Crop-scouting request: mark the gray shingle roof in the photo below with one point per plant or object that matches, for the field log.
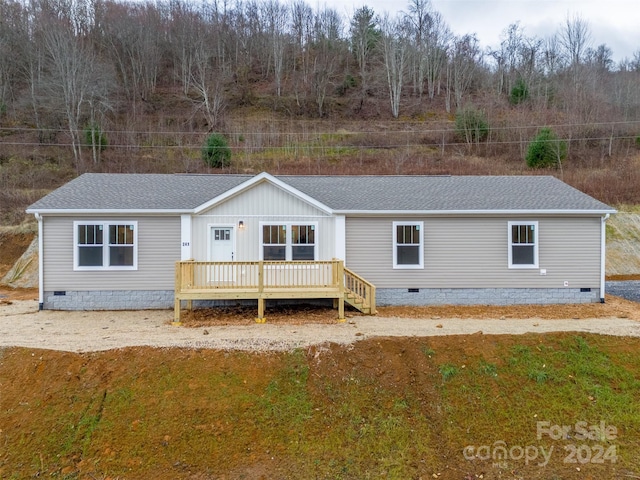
(340, 193)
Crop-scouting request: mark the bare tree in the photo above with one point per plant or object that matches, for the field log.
(277, 18)
(250, 48)
(465, 59)
(600, 58)
(395, 47)
(325, 54)
(131, 39)
(364, 37)
(208, 82)
(75, 75)
(439, 38)
(14, 44)
(302, 31)
(506, 57)
(419, 19)
(517, 59)
(186, 26)
(574, 38)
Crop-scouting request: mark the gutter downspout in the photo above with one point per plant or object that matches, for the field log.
(603, 239)
(40, 262)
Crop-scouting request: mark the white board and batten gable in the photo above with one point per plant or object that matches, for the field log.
(241, 214)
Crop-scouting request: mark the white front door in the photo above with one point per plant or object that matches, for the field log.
(222, 244)
(221, 249)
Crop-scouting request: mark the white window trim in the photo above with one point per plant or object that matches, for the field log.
(535, 244)
(394, 240)
(105, 250)
(288, 233)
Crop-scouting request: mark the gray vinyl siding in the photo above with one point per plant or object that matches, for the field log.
(263, 203)
(473, 253)
(158, 250)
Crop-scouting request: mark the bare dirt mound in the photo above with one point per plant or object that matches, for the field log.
(13, 244)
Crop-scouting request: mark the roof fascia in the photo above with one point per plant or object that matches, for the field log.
(86, 211)
(260, 178)
(474, 212)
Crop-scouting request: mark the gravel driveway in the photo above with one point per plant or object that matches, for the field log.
(21, 324)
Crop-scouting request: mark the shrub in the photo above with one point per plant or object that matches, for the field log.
(216, 152)
(472, 124)
(94, 137)
(546, 150)
(519, 92)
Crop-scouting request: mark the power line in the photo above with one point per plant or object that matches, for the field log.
(333, 132)
(302, 148)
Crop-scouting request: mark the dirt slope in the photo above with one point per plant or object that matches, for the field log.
(382, 408)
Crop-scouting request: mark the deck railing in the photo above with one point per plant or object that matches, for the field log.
(257, 275)
(359, 292)
(263, 280)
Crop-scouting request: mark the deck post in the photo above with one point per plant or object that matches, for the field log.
(372, 300)
(176, 294)
(190, 274)
(339, 268)
(261, 300)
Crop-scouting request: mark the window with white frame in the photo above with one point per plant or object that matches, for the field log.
(408, 245)
(523, 244)
(303, 242)
(289, 241)
(105, 245)
(274, 242)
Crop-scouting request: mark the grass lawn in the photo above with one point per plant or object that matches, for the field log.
(553, 406)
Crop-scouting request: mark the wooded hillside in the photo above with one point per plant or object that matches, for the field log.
(100, 85)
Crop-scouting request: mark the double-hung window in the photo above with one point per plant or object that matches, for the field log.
(408, 245)
(105, 245)
(288, 241)
(523, 244)
(303, 242)
(274, 242)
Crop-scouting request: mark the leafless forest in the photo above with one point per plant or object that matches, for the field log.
(99, 85)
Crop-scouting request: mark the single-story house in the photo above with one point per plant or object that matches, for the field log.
(123, 241)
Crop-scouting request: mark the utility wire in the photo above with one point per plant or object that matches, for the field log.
(333, 132)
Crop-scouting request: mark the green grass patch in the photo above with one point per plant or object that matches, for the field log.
(381, 408)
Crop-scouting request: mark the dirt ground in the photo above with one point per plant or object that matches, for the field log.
(12, 246)
(21, 324)
(297, 315)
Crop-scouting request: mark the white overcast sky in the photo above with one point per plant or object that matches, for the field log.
(615, 23)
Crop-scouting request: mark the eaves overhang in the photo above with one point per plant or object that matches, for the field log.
(474, 212)
(110, 211)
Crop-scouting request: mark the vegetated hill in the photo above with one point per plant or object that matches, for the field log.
(455, 408)
(298, 90)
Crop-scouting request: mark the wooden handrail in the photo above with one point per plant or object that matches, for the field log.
(363, 290)
(258, 275)
(264, 280)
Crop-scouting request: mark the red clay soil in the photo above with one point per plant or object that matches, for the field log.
(12, 246)
(164, 414)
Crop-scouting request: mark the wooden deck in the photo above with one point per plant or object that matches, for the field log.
(264, 280)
